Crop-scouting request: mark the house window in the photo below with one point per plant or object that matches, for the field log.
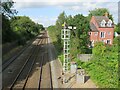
(103, 22)
(109, 24)
(89, 33)
(103, 41)
(102, 34)
(108, 41)
(95, 33)
(109, 33)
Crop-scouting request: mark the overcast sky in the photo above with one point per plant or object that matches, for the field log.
(46, 11)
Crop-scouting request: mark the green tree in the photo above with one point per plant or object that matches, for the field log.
(7, 34)
(82, 28)
(117, 28)
(70, 20)
(99, 49)
(99, 12)
(24, 26)
(6, 8)
(61, 19)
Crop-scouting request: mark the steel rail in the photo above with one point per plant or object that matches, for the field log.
(33, 50)
(41, 66)
(7, 62)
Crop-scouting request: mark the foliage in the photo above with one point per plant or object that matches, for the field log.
(7, 33)
(61, 19)
(52, 33)
(99, 12)
(80, 40)
(20, 28)
(103, 68)
(6, 29)
(55, 32)
(117, 28)
(54, 39)
(98, 49)
(24, 25)
(6, 8)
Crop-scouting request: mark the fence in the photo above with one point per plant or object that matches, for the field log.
(84, 57)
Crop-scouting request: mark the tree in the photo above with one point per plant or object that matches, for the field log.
(24, 26)
(7, 12)
(7, 33)
(82, 28)
(6, 8)
(70, 20)
(117, 28)
(61, 19)
(99, 49)
(99, 12)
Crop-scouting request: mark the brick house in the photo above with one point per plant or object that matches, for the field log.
(101, 29)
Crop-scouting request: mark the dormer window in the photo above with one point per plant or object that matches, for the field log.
(103, 22)
(109, 23)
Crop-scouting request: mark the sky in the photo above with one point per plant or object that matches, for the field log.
(45, 12)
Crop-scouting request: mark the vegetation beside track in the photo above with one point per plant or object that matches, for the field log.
(17, 28)
(103, 67)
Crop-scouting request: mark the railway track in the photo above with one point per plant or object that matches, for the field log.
(22, 76)
(7, 62)
(45, 71)
(39, 53)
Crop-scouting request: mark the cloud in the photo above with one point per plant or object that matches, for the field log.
(44, 3)
(44, 20)
(79, 6)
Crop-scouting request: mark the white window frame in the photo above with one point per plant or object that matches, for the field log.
(103, 22)
(93, 42)
(107, 40)
(100, 34)
(95, 33)
(109, 23)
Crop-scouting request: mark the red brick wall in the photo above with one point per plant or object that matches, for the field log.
(106, 30)
(93, 36)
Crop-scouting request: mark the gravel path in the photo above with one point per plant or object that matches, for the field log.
(56, 67)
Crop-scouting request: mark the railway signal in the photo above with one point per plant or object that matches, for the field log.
(65, 35)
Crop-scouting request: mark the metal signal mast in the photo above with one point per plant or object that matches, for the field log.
(65, 35)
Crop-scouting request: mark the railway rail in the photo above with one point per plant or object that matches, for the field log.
(25, 70)
(45, 71)
(38, 53)
(7, 62)
(45, 76)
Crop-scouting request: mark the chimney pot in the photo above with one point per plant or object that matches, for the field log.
(106, 14)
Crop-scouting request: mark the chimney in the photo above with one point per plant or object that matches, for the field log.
(106, 14)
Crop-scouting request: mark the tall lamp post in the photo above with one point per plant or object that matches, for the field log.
(65, 35)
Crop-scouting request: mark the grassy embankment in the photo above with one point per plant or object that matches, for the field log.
(55, 41)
